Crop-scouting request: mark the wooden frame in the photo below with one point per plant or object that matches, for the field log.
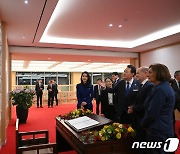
(37, 140)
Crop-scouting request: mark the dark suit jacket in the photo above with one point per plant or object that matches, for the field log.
(106, 109)
(85, 93)
(143, 93)
(124, 101)
(96, 94)
(38, 90)
(177, 95)
(56, 88)
(52, 88)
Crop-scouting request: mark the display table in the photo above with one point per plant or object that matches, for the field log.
(68, 139)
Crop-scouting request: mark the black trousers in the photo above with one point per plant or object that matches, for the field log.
(55, 96)
(50, 99)
(39, 97)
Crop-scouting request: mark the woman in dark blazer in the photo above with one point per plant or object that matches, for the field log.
(107, 101)
(159, 107)
(84, 91)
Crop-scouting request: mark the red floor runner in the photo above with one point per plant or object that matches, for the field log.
(38, 119)
(43, 119)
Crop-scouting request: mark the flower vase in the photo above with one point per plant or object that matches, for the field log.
(22, 114)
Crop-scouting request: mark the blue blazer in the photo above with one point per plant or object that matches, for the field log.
(85, 94)
(159, 107)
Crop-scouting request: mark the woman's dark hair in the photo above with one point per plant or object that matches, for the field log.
(161, 72)
(108, 78)
(88, 80)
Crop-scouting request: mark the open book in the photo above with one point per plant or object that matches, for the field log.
(82, 123)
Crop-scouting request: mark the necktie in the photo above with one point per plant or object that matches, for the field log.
(127, 88)
(141, 85)
(99, 90)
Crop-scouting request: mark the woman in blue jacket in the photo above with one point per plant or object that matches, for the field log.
(159, 107)
(85, 92)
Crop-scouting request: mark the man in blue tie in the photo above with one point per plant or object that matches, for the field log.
(127, 90)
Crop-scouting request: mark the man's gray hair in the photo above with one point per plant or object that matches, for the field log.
(144, 69)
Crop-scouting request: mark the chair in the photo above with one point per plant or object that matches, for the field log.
(34, 142)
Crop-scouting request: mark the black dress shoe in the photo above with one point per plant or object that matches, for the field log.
(41, 107)
(37, 106)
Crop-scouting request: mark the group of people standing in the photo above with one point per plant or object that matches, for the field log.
(143, 98)
(52, 93)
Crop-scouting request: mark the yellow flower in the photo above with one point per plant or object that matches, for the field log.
(118, 135)
(77, 112)
(105, 127)
(120, 125)
(115, 124)
(117, 130)
(100, 134)
(130, 129)
(103, 138)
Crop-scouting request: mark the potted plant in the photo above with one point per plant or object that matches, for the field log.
(23, 99)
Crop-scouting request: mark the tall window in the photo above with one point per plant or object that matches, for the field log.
(37, 76)
(23, 78)
(63, 78)
(50, 76)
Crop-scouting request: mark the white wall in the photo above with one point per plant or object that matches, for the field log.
(169, 55)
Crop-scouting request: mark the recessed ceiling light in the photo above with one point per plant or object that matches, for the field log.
(89, 60)
(26, 1)
(110, 25)
(120, 26)
(23, 37)
(49, 58)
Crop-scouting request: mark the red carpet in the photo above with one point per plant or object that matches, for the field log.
(43, 119)
(38, 119)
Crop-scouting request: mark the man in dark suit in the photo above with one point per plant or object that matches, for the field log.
(97, 94)
(176, 87)
(138, 106)
(127, 90)
(39, 92)
(55, 92)
(115, 78)
(51, 91)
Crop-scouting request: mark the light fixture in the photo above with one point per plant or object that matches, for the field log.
(120, 26)
(26, 1)
(110, 25)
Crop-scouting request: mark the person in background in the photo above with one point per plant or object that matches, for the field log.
(175, 84)
(107, 101)
(84, 92)
(56, 91)
(115, 78)
(138, 106)
(159, 107)
(39, 92)
(97, 94)
(176, 87)
(51, 91)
